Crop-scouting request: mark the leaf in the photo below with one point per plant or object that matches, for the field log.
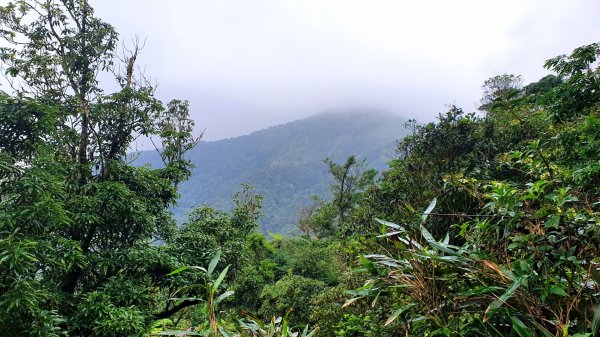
(179, 270)
(368, 264)
(224, 296)
(312, 333)
(495, 268)
(397, 313)
(552, 222)
(427, 235)
(543, 330)
(220, 278)
(596, 322)
(390, 234)
(186, 299)
(595, 270)
(433, 243)
(177, 332)
(390, 224)
(213, 262)
(224, 332)
(443, 248)
(350, 301)
(520, 327)
(558, 291)
(504, 297)
(429, 209)
(284, 326)
(479, 290)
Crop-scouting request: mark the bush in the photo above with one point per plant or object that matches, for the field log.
(291, 292)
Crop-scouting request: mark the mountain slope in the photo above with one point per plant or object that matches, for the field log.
(284, 163)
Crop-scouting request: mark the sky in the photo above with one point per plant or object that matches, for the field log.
(246, 65)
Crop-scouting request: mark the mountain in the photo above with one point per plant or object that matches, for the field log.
(284, 163)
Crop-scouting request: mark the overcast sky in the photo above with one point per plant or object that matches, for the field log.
(245, 65)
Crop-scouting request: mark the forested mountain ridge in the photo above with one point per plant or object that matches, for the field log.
(284, 163)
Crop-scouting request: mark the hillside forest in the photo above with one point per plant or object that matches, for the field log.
(484, 223)
(283, 163)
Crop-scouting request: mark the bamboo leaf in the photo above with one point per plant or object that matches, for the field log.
(429, 209)
(398, 313)
(427, 235)
(541, 329)
(446, 239)
(390, 234)
(504, 297)
(368, 264)
(350, 301)
(186, 299)
(224, 332)
(520, 327)
(179, 270)
(390, 224)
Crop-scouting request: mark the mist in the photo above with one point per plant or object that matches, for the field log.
(246, 65)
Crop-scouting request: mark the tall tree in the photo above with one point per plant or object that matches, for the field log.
(351, 178)
(500, 89)
(76, 220)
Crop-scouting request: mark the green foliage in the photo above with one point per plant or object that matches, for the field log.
(290, 292)
(209, 293)
(357, 326)
(579, 92)
(308, 258)
(350, 180)
(175, 131)
(208, 230)
(76, 220)
(511, 246)
(317, 220)
(500, 89)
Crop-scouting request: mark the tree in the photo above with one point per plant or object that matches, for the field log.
(208, 230)
(500, 89)
(290, 292)
(350, 178)
(76, 219)
(579, 92)
(317, 220)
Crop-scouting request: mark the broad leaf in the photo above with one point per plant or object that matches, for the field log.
(213, 262)
(220, 278)
(224, 296)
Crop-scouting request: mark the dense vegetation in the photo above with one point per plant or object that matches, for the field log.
(283, 163)
(485, 224)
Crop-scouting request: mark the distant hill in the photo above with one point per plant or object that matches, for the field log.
(284, 163)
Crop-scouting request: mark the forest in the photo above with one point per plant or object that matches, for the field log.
(485, 223)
